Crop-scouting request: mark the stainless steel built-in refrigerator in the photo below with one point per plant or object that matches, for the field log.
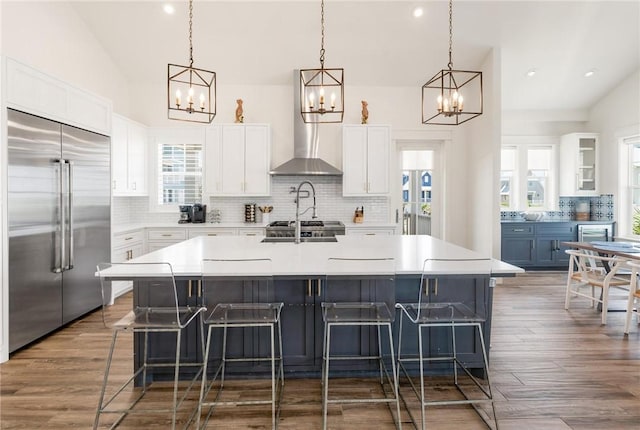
(59, 223)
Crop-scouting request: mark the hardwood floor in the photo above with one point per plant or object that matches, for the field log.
(551, 369)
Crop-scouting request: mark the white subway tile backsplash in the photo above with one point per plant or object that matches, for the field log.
(331, 205)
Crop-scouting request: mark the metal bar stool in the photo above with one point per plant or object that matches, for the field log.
(169, 317)
(437, 313)
(343, 307)
(248, 284)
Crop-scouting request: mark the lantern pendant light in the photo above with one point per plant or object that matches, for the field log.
(191, 92)
(452, 97)
(322, 90)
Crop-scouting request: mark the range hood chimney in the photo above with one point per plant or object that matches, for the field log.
(305, 161)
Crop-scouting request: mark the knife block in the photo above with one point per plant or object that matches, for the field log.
(358, 217)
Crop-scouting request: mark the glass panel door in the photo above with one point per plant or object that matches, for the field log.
(417, 176)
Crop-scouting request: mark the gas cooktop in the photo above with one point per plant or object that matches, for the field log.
(308, 228)
(311, 223)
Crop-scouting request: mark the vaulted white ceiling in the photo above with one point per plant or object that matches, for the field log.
(381, 43)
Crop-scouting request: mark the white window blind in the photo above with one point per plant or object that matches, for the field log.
(180, 173)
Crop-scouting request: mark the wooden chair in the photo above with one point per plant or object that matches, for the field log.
(582, 273)
(634, 296)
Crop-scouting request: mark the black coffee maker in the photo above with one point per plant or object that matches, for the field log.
(199, 213)
(186, 214)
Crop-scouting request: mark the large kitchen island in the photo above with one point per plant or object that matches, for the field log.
(299, 272)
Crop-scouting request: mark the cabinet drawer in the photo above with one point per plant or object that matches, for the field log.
(251, 231)
(167, 234)
(126, 239)
(212, 232)
(556, 229)
(517, 230)
(370, 231)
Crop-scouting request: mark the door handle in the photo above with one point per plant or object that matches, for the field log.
(59, 263)
(319, 287)
(308, 287)
(71, 235)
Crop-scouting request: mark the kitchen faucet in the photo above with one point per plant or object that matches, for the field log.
(314, 214)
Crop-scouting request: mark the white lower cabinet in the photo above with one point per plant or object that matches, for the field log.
(221, 231)
(370, 231)
(163, 237)
(125, 246)
(226, 231)
(251, 231)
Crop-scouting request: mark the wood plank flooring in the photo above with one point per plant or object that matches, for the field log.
(552, 369)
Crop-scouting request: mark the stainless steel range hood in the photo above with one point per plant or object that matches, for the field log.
(306, 141)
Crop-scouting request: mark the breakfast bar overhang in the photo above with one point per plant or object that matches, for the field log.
(299, 271)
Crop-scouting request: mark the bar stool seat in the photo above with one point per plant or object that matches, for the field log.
(219, 277)
(338, 314)
(430, 316)
(159, 281)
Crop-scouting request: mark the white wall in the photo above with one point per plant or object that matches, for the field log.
(618, 110)
(483, 146)
(615, 116)
(51, 37)
(396, 106)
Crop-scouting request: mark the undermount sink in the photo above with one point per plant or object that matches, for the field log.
(302, 239)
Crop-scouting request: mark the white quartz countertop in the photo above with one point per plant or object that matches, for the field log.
(310, 259)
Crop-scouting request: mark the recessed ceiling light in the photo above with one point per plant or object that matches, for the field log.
(169, 9)
(589, 74)
(418, 12)
(531, 73)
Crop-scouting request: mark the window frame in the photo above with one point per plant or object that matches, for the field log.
(176, 136)
(628, 143)
(520, 177)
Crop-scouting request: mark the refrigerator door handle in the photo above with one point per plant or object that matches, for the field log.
(60, 252)
(70, 208)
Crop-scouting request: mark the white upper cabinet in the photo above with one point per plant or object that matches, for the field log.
(579, 164)
(238, 158)
(128, 157)
(32, 91)
(365, 159)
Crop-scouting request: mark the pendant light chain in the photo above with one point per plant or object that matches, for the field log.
(191, 33)
(322, 34)
(450, 33)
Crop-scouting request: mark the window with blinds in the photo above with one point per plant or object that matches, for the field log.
(180, 173)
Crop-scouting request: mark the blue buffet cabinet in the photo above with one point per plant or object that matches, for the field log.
(538, 245)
